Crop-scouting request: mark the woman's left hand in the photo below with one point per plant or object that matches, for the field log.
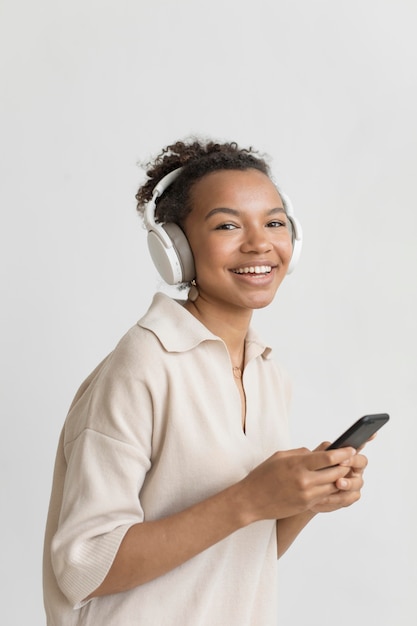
(349, 487)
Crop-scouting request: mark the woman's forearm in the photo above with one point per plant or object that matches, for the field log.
(151, 549)
(289, 528)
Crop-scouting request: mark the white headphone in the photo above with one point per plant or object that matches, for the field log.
(169, 247)
(296, 232)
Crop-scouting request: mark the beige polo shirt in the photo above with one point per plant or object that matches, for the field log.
(154, 429)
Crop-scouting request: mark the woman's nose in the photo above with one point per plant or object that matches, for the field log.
(256, 240)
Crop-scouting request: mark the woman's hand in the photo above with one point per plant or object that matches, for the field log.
(296, 481)
(348, 487)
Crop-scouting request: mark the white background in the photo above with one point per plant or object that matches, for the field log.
(328, 89)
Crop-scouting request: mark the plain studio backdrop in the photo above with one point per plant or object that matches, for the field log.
(327, 88)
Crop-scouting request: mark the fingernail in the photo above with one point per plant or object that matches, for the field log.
(343, 483)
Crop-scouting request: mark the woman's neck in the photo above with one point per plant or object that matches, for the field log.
(231, 326)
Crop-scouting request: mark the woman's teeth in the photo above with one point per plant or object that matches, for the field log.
(258, 269)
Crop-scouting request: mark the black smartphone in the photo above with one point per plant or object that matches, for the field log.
(360, 431)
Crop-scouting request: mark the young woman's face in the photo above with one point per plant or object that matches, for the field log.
(239, 234)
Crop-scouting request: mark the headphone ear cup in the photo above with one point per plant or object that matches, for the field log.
(297, 243)
(296, 232)
(183, 250)
(171, 253)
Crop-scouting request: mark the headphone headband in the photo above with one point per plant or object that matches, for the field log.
(159, 189)
(167, 180)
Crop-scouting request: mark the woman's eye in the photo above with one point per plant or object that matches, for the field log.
(277, 224)
(226, 227)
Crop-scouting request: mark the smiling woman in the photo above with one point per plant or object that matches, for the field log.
(174, 478)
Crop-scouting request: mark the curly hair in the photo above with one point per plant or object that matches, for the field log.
(198, 157)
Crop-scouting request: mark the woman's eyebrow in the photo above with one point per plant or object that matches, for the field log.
(222, 210)
(236, 213)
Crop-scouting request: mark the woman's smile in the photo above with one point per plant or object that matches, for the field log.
(253, 269)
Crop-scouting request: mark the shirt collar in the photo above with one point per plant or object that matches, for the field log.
(179, 331)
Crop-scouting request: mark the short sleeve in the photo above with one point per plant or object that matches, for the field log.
(107, 450)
